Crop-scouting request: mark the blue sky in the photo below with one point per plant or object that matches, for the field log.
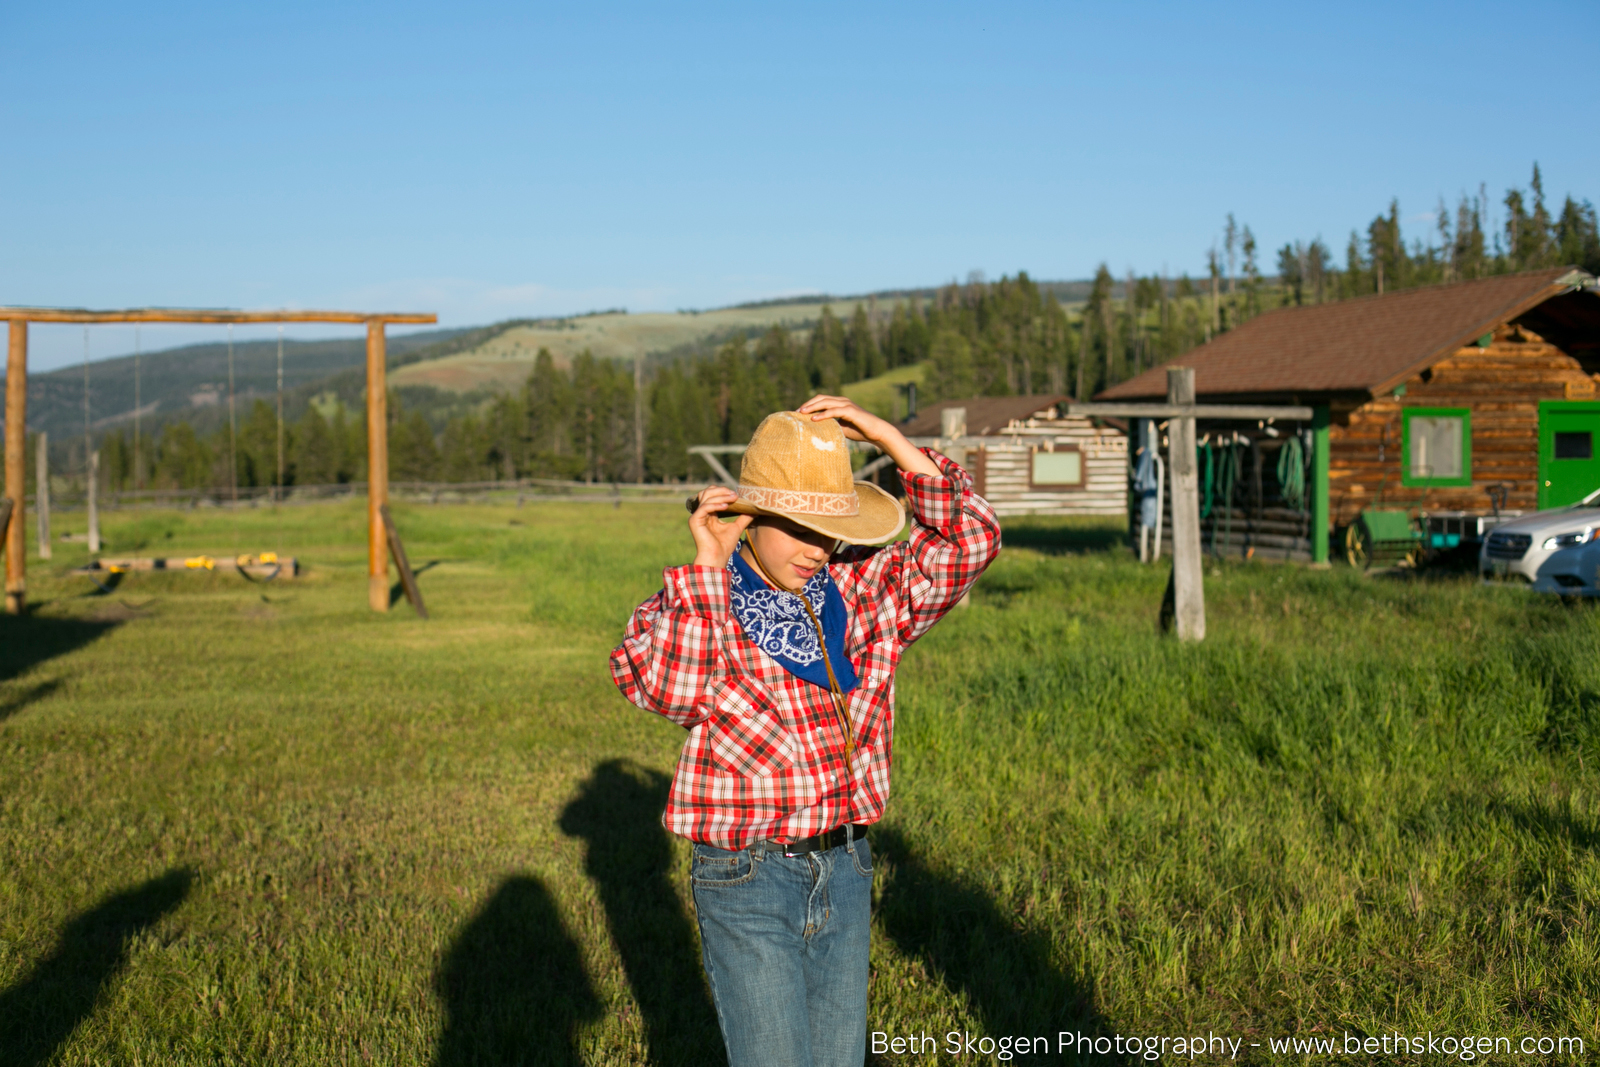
(486, 161)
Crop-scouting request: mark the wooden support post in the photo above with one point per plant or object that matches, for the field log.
(94, 502)
(377, 469)
(408, 577)
(1320, 418)
(41, 493)
(1189, 604)
(16, 541)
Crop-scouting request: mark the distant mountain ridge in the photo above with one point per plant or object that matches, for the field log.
(192, 381)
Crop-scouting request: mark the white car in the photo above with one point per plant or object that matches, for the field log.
(1557, 551)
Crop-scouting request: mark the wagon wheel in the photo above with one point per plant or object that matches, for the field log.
(1358, 545)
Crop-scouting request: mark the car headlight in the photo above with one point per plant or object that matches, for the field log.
(1568, 540)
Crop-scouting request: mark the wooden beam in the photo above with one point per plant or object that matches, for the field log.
(16, 542)
(408, 578)
(1189, 599)
(709, 454)
(377, 469)
(86, 315)
(1257, 412)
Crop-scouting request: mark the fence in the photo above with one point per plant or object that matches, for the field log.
(524, 490)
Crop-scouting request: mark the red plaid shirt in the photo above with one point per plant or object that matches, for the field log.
(765, 756)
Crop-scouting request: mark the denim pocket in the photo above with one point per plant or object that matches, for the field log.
(713, 867)
(861, 858)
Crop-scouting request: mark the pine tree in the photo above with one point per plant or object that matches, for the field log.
(1317, 263)
(1577, 237)
(1291, 272)
(258, 446)
(1252, 274)
(861, 356)
(183, 460)
(1469, 256)
(951, 374)
(314, 453)
(1097, 311)
(548, 403)
(825, 353)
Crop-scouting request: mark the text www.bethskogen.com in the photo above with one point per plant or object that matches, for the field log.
(1214, 1047)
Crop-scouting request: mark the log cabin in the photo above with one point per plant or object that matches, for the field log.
(1027, 457)
(1471, 398)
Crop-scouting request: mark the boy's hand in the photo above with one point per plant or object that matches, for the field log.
(715, 540)
(859, 425)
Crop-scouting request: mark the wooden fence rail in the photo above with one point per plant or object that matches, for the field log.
(524, 489)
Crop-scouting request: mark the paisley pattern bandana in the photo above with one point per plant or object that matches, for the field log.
(778, 624)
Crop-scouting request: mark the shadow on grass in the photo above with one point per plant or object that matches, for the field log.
(39, 1013)
(618, 814)
(27, 640)
(1062, 540)
(1549, 824)
(107, 587)
(980, 952)
(32, 694)
(513, 984)
(397, 591)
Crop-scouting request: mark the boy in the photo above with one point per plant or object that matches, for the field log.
(778, 654)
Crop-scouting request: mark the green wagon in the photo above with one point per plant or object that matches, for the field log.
(1383, 537)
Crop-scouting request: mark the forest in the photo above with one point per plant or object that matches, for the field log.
(585, 421)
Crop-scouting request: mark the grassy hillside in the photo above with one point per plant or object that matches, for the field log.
(505, 360)
(194, 379)
(261, 825)
(882, 395)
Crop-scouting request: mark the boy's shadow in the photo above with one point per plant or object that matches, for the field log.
(617, 812)
(1004, 971)
(513, 984)
(40, 1012)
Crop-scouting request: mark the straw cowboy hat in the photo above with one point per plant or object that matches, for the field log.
(800, 470)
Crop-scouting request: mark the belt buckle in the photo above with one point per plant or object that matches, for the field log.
(792, 849)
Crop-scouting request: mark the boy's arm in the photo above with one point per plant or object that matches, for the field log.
(954, 537)
(954, 532)
(672, 647)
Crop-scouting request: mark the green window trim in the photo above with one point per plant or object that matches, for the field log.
(1407, 414)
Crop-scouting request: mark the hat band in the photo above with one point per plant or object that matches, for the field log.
(801, 502)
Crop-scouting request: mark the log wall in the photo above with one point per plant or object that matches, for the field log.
(1001, 467)
(1502, 386)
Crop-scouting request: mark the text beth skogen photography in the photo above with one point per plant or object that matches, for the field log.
(695, 535)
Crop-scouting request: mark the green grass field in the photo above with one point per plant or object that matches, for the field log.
(259, 824)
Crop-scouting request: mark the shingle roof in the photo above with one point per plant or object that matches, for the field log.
(985, 414)
(1365, 346)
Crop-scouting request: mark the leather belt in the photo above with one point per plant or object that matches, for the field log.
(839, 835)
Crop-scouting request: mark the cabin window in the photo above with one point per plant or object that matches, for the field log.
(1061, 469)
(1438, 447)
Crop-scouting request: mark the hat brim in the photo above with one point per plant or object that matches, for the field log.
(881, 517)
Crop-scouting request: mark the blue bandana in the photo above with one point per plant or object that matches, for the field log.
(778, 624)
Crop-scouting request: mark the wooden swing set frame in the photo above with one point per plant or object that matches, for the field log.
(378, 526)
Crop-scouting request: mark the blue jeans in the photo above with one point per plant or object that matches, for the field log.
(785, 941)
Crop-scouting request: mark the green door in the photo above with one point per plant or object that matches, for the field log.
(1569, 451)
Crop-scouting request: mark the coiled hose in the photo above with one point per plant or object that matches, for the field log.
(1292, 473)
